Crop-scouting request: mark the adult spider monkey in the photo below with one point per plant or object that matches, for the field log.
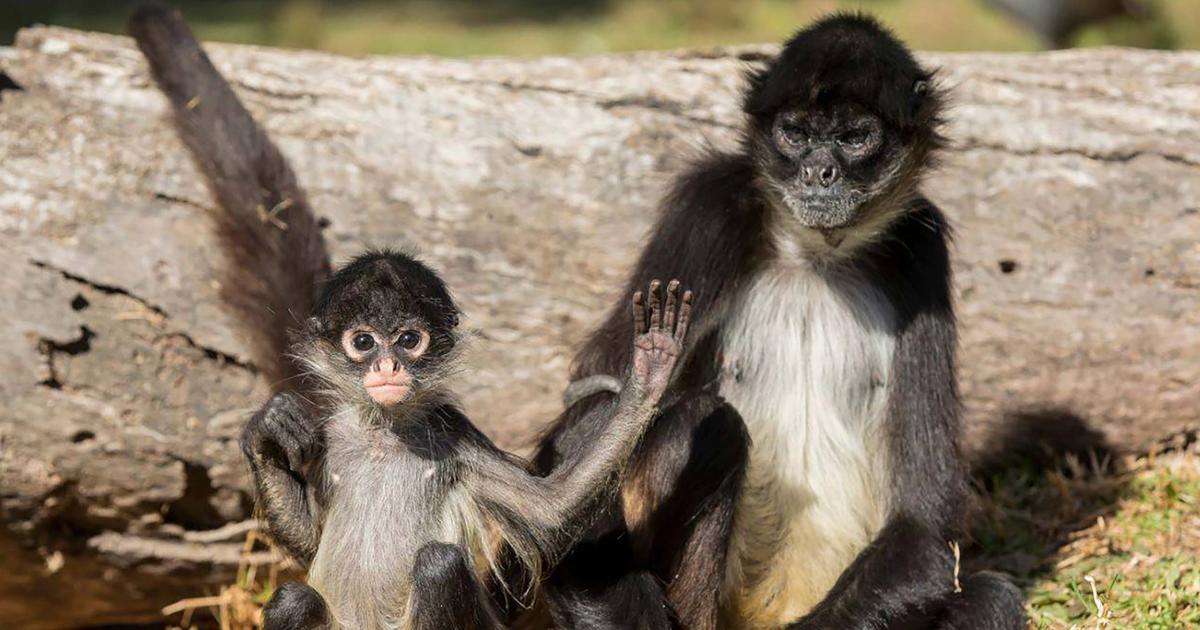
(830, 329)
(405, 514)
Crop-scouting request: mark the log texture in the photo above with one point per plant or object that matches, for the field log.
(1073, 180)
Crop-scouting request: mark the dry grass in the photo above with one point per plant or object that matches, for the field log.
(238, 606)
(1095, 544)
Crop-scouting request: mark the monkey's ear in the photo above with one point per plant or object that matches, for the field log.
(922, 90)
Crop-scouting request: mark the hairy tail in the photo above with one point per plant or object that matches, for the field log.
(273, 241)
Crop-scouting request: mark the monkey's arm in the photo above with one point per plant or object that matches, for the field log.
(557, 508)
(704, 235)
(909, 568)
(550, 513)
(278, 441)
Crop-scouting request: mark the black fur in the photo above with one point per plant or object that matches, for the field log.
(988, 600)
(277, 442)
(459, 600)
(278, 264)
(296, 606)
(386, 281)
(687, 471)
(713, 228)
(272, 238)
(847, 58)
(387, 291)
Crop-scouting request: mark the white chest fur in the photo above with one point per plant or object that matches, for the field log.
(806, 361)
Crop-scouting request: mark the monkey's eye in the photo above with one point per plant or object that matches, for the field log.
(363, 342)
(855, 138)
(793, 133)
(409, 339)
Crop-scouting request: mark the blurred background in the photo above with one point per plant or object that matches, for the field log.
(536, 27)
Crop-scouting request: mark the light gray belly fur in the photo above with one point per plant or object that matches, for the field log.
(382, 506)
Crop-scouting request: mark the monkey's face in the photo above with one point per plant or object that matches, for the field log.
(843, 117)
(824, 163)
(383, 331)
(386, 359)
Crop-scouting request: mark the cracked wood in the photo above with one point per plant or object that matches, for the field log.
(1072, 180)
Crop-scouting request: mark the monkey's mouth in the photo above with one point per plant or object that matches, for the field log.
(821, 210)
(387, 389)
(388, 395)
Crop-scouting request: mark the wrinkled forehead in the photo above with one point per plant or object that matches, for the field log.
(828, 114)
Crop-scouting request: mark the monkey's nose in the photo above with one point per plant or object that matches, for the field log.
(824, 174)
(385, 365)
(829, 175)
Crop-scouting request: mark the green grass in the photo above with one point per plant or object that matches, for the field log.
(528, 27)
(1130, 531)
(1131, 534)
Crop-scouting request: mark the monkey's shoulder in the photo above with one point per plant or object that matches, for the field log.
(717, 183)
(912, 263)
(709, 226)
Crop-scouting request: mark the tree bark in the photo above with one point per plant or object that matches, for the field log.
(1073, 180)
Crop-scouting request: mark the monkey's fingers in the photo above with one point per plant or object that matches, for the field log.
(655, 305)
(288, 446)
(685, 316)
(639, 313)
(669, 311)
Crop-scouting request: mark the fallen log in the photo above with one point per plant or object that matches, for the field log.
(1073, 180)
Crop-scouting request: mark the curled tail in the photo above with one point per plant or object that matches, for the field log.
(276, 253)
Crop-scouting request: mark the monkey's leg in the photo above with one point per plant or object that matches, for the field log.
(673, 528)
(988, 601)
(296, 606)
(446, 592)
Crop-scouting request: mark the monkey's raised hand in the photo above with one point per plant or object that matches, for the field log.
(281, 434)
(658, 344)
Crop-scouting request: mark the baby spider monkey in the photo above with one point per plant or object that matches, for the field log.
(401, 507)
(404, 512)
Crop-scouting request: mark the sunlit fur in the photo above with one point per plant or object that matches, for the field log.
(332, 376)
(808, 354)
(385, 502)
(811, 343)
(393, 478)
(358, 491)
(376, 486)
(832, 335)
(383, 505)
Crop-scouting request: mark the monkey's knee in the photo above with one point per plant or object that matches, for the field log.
(708, 424)
(296, 606)
(441, 565)
(632, 600)
(988, 601)
(445, 591)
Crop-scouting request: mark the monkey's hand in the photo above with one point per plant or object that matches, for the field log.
(281, 435)
(658, 344)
